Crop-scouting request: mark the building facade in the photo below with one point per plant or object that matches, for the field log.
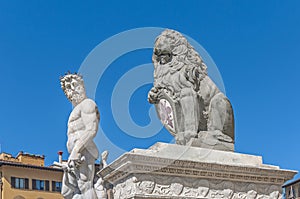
(26, 177)
(292, 189)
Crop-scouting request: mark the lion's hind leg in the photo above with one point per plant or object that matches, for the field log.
(220, 120)
(220, 115)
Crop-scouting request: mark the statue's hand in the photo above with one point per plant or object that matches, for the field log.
(75, 163)
(75, 154)
(65, 168)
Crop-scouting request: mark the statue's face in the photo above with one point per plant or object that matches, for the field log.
(162, 52)
(75, 91)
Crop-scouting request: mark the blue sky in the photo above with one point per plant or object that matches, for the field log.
(255, 45)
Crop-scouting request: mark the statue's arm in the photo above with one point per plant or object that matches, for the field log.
(90, 119)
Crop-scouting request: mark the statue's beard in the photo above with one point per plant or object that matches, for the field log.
(76, 98)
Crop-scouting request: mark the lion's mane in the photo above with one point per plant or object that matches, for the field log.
(184, 57)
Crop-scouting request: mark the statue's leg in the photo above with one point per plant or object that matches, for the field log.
(69, 186)
(190, 112)
(86, 177)
(220, 118)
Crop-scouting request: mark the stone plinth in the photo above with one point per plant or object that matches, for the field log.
(175, 171)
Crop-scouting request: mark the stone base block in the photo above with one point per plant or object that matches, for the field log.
(175, 171)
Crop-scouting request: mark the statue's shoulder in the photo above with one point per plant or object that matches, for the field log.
(88, 105)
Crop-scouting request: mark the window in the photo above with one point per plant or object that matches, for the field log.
(56, 186)
(290, 192)
(47, 185)
(42, 185)
(19, 183)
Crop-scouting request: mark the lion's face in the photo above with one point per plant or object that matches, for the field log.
(162, 53)
(170, 48)
(172, 53)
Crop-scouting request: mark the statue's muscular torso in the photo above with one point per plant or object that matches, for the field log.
(78, 128)
(75, 126)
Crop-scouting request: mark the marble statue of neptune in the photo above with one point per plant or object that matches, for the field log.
(78, 178)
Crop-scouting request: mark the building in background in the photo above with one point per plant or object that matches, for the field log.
(26, 177)
(292, 189)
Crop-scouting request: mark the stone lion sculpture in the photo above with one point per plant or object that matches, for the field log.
(188, 102)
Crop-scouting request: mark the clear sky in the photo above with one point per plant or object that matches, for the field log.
(254, 44)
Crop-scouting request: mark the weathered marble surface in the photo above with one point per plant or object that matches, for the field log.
(162, 187)
(176, 171)
(188, 102)
(204, 155)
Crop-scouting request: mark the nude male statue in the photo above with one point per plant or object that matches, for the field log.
(78, 178)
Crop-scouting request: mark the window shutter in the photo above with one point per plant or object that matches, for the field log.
(47, 185)
(13, 182)
(26, 183)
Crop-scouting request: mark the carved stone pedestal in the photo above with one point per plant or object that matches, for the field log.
(175, 171)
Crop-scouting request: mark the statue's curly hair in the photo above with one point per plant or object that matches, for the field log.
(67, 78)
(184, 56)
